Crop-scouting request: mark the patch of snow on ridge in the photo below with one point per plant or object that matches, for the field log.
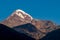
(20, 13)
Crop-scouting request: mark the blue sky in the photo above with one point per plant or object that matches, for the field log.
(40, 9)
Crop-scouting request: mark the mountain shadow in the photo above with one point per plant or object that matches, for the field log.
(10, 34)
(54, 35)
(29, 27)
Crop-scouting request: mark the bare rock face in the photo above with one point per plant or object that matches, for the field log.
(20, 17)
(43, 27)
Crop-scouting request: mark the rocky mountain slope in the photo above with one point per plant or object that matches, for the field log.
(18, 17)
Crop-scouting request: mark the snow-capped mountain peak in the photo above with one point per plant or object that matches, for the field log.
(32, 27)
(18, 17)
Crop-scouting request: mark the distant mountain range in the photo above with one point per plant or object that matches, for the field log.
(22, 22)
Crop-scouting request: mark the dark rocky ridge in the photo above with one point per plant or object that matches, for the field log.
(7, 33)
(53, 35)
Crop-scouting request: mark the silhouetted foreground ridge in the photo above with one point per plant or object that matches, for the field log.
(10, 34)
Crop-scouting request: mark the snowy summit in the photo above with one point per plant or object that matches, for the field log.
(21, 12)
